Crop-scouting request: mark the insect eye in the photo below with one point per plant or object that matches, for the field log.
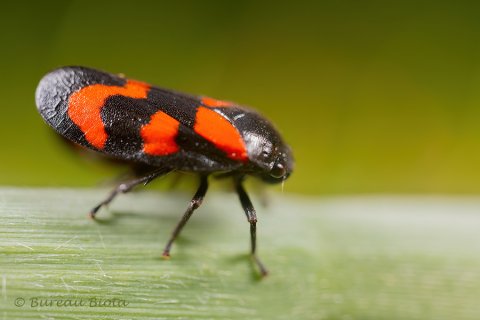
(278, 171)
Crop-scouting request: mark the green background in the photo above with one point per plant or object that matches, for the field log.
(373, 96)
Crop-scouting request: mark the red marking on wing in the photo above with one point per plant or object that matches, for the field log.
(214, 103)
(85, 105)
(218, 130)
(159, 135)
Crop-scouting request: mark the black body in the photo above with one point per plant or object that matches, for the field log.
(111, 114)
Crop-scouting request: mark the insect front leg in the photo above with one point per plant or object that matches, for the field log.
(252, 219)
(126, 186)
(194, 204)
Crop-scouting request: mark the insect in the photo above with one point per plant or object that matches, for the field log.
(165, 131)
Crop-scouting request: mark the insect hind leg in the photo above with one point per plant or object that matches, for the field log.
(126, 186)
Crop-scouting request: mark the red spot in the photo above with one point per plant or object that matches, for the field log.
(218, 130)
(159, 135)
(85, 105)
(214, 103)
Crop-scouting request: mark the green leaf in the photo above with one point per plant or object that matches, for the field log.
(329, 258)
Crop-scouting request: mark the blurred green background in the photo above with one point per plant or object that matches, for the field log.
(373, 96)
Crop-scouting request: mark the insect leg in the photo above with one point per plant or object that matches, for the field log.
(126, 186)
(194, 204)
(252, 219)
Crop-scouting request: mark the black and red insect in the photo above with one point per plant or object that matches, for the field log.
(164, 131)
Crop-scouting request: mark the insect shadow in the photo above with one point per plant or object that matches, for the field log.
(243, 257)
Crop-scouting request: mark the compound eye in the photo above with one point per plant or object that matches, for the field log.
(278, 171)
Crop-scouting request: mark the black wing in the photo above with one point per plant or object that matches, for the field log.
(106, 113)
